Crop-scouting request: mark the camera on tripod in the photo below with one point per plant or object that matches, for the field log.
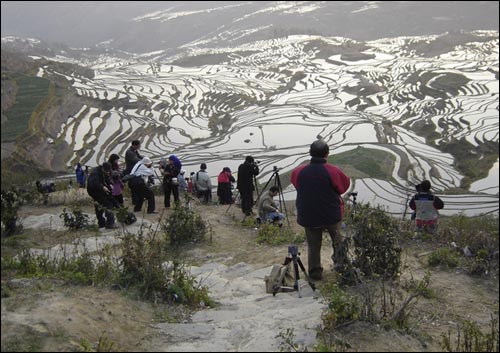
(276, 169)
(293, 250)
(353, 194)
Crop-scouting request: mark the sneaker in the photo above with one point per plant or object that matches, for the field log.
(112, 226)
(153, 212)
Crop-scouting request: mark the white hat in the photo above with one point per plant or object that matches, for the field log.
(146, 161)
(183, 171)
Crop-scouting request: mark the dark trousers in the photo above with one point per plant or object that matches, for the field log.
(315, 239)
(204, 195)
(224, 193)
(141, 192)
(103, 205)
(246, 201)
(168, 189)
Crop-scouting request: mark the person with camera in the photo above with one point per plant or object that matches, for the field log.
(100, 189)
(245, 184)
(202, 184)
(170, 169)
(320, 206)
(426, 206)
(139, 185)
(268, 210)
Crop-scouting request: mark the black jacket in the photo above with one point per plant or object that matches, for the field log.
(246, 172)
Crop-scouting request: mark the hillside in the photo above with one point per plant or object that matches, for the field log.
(53, 315)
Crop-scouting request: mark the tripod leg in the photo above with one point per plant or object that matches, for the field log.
(311, 284)
(296, 271)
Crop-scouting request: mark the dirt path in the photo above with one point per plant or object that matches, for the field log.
(47, 315)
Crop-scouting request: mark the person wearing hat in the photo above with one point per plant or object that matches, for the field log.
(100, 189)
(202, 184)
(224, 181)
(139, 185)
(320, 206)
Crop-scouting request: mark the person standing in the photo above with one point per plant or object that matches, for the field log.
(426, 206)
(132, 156)
(202, 184)
(139, 185)
(224, 181)
(114, 160)
(170, 169)
(81, 177)
(99, 188)
(246, 173)
(320, 206)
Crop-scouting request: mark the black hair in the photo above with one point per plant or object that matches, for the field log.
(106, 167)
(274, 189)
(249, 159)
(136, 143)
(425, 186)
(203, 166)
(114, 157)
(319, 149)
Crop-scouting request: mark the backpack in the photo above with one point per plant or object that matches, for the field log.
(281, 275)
(130, 218)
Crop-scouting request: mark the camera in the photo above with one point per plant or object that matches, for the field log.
(276, 169)
(354, 194)
(293, 250)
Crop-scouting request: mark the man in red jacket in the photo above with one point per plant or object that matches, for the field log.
(320, 206)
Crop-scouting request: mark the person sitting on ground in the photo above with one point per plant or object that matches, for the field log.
(99, 189)
(202, 184)
(139, 185)
(426, 206)
(268, 210)
(224, 181)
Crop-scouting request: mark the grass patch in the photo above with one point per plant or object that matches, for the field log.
(365, 162)
(31, 91)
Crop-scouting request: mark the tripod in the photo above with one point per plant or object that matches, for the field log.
(277, 182)
(292, 257)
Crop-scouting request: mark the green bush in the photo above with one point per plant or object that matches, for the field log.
(375, 241)
(185, 226)
(75, 219)
(342, 307)
(445, 257)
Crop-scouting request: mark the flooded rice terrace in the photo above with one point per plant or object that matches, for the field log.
(271, 99)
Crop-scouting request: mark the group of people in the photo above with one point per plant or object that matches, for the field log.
(319, 201)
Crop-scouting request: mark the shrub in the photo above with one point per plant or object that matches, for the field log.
(185, 226)
(342, 307)
(75, 219)
(375, 242)
(471, 339)
(445, 257)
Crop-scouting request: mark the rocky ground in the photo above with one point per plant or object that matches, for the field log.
(51, 316)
